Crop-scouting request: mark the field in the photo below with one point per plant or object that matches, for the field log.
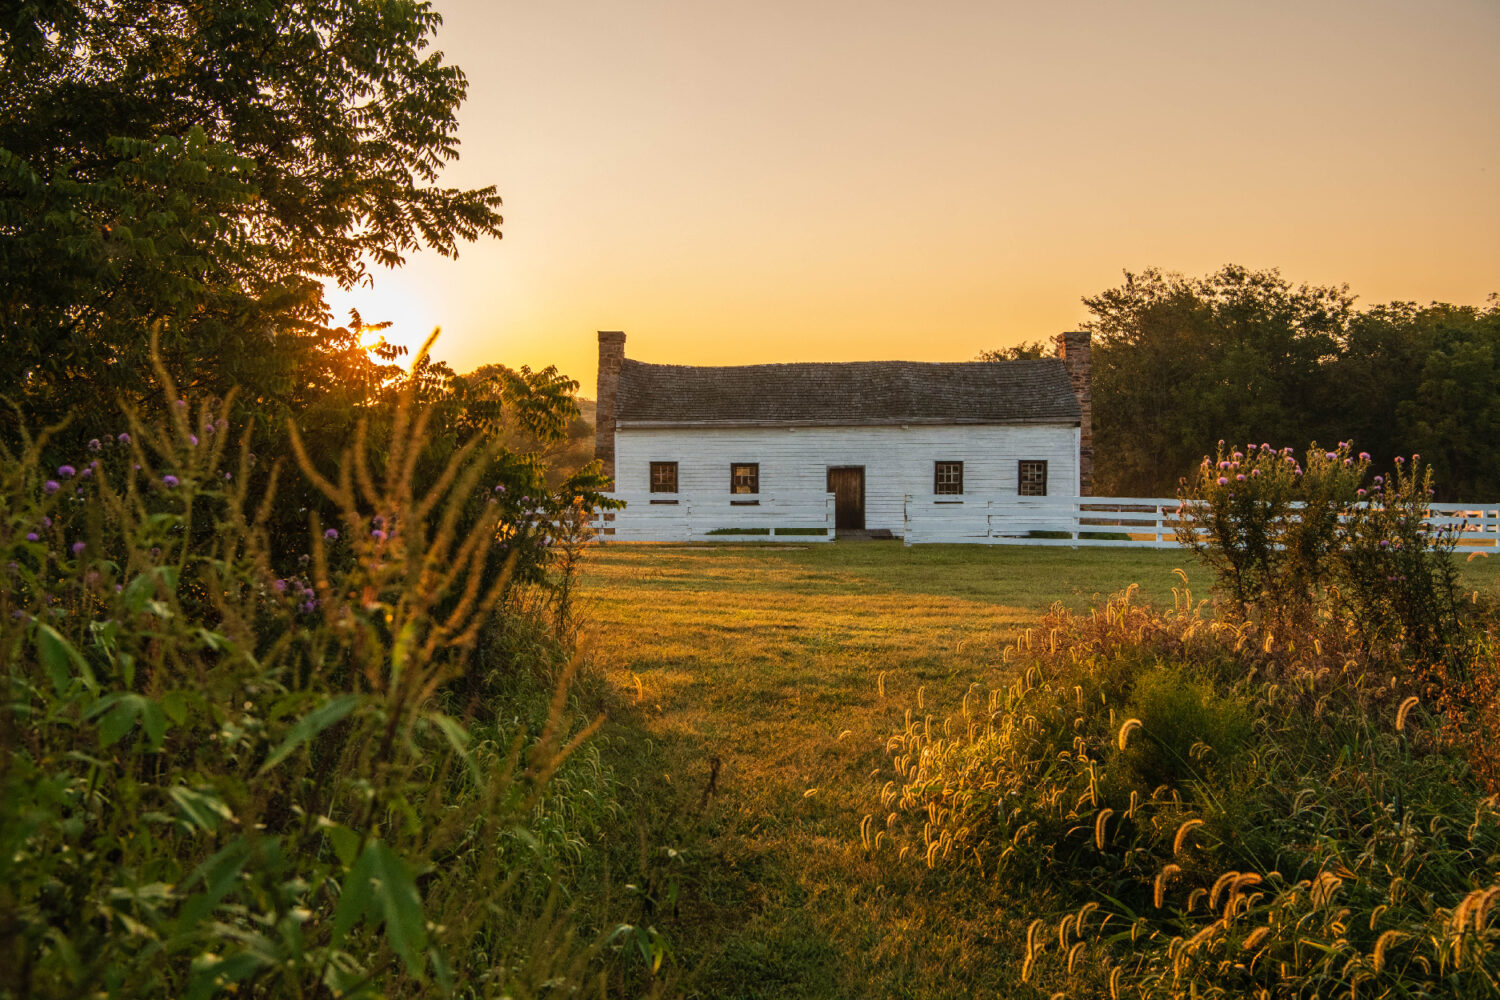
(790, 666)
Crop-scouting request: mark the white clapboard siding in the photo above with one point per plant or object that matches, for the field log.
(716, 518)
(898, 460)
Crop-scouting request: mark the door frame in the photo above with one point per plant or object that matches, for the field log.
(863, 492)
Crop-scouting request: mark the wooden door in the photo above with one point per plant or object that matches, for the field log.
(847, 484)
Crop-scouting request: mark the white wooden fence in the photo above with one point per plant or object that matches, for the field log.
(1138, 522)
(651, 517)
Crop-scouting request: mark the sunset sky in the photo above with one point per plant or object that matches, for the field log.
(825, 181)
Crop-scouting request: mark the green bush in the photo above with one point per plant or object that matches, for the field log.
(1209, 809)
(222, 775)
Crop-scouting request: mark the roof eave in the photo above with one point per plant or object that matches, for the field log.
(892, 422)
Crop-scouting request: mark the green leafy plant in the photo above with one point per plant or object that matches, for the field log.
(224, 776)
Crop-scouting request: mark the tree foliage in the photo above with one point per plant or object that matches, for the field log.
(1244, 355)
(202, 168)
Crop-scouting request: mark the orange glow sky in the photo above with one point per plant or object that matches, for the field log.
(815, 180)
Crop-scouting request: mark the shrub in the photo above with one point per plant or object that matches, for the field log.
(225, 776)
(1210, 808)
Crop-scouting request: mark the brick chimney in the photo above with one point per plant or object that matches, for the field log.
(1076, 351)
(611, 354)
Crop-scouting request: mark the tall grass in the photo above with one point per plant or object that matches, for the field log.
(363, 773)
(1231, 811)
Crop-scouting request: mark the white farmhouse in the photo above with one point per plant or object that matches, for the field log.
(738, 444)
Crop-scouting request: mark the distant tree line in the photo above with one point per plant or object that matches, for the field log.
(1244, 355)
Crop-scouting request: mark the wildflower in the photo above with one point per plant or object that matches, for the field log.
(377, 521)
(1415, 457)
(227, 477)
(310, 606)
(123, 439)
(331, 534)
(87, 473)
(1384, 544)
(94, 444)
(1265, 446)
(279, 586)
(1223, 465)
(78, 548)
(1240, 478)
(1330, 455)
(169, 481)
(1359, 493)
(193, 438)
(1348, 461)
(32, 536)
(51, 486)
(1379, 480)
(1238, 455)
(378, 535)
(179, 403)
(500, 488)
(1254, 472)
(1364, 456)
(1399, 460)
(1223, 481)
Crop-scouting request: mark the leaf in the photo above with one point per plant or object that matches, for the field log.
(119, 720)
(201, 808)
(141, 592)
(218, 874)
(311, 725)
(381, 883)
(60, 660)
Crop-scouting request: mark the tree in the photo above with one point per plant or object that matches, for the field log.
(1030, 350)
(200, 167)
(1180, 363)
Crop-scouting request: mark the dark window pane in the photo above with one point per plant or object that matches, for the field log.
(744, 477)
(947, 477)
(663, 477)
(1033, 479)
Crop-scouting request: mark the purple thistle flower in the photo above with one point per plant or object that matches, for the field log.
(1330, 455)
(78, 548)
(1399, 460)
(310, 606)
(66, 471)
(51, 486)
(1364, 456)
(279, 586)
(1415, 457)
(1223, 465)
(331, 534)
(169, 481)
(179, 403)
(1240, 478)
(1223, 481)
(378, 535)
(193, 438)
(500, 488)
(1238, 456)
(123, 439)
(32, 536)
(94, 444)
(1379, 480)
(1359, 493)
(227, 477)
(87, 473)
(1254, 472)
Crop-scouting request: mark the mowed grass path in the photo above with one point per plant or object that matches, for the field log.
(770, 659)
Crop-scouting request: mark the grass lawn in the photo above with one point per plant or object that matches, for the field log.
(771, 660)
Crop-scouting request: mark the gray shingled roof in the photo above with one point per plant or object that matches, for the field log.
(858, 392)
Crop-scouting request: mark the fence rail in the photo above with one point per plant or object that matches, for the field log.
(657, 517)
(1132, 522)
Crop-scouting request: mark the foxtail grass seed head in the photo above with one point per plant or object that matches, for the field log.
(1130, 726)
(1404, 710)
(1182, 834)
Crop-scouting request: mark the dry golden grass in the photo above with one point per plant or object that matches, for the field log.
(772, 661)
